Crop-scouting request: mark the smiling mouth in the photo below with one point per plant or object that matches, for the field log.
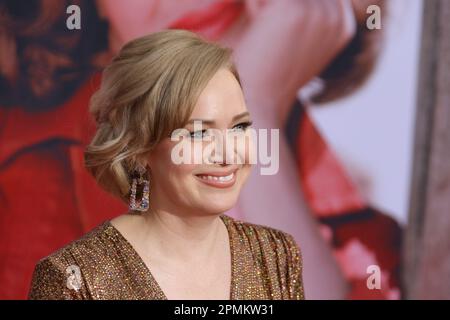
(218, 180)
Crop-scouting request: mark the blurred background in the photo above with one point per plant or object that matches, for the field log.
(362, 111)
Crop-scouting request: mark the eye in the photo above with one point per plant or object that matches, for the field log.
(198, 134)
(242, 126)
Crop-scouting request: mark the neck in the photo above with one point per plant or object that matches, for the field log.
(183, 237)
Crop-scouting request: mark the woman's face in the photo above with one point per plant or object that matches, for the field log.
(210, 186)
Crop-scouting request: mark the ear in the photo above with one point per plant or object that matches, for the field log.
(145, 160)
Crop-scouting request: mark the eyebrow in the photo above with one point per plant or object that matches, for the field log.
(210, 122)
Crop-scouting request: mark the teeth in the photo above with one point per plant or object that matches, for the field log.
(220, 179)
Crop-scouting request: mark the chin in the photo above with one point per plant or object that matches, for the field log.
(218, 204)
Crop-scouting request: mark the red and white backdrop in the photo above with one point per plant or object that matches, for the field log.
(352, 156)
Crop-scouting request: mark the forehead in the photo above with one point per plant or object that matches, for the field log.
(222, 97)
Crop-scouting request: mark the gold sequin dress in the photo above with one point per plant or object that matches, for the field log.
(266, 264)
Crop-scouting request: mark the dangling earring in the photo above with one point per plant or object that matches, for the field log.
(144, 202)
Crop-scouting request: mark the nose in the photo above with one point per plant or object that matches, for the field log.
(218, 154)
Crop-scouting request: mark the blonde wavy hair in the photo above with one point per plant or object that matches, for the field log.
(148, 90)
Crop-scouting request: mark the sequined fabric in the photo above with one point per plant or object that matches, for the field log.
(266, 264)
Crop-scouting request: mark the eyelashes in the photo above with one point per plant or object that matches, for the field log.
(243, 126)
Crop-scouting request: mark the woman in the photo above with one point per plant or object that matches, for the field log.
(48, 143)
(176, 243)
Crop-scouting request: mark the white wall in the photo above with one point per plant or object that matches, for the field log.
(372, 131)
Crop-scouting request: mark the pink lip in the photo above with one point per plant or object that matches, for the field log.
(216, 183)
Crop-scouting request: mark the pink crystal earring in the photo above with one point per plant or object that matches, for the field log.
(139, 181)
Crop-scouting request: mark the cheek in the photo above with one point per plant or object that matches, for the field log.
(182, 172)
(173, 175)
(245, 173)
(245, 150)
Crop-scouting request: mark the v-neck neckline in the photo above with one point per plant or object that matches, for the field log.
(225, 219)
